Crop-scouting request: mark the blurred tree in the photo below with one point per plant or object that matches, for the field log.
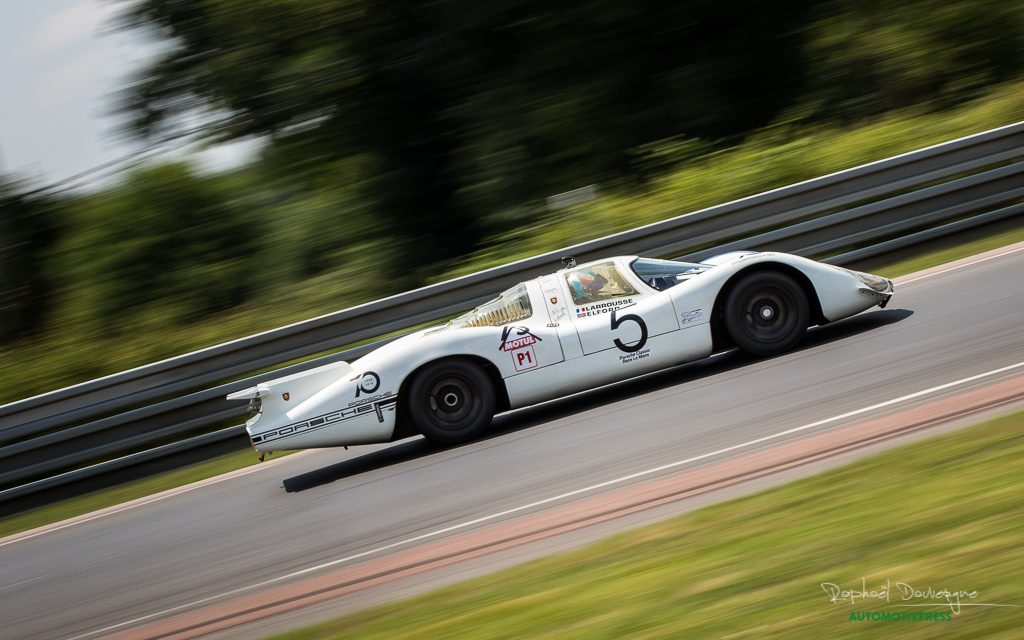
(466, 108)
(315, 213)
(870, 57)
(28, 229)
(164, 247)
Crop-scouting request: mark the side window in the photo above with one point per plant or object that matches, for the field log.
(597, 282)
(512, 305)
(664, 274)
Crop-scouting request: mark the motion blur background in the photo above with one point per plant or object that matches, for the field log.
(398, 143)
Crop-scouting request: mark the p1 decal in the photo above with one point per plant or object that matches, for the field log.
(369, 383)
(520, 347)
(525, 358)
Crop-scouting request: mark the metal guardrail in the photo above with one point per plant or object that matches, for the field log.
(120, 420)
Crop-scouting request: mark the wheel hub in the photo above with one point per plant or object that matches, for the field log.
(766, 312)
(450, 399)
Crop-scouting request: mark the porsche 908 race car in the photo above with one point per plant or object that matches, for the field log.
(578, 328)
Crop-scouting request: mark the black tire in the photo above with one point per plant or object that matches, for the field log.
(450, 401)
(766, 313)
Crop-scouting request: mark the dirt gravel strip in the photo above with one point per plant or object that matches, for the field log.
(572, 516)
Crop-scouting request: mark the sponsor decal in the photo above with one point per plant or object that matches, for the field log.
(517, 337)
(626, 358)
(371, 399)
(554, 300)
(388, 403)
(601, 308)
(369, 383)
(692, 316)
(518, 343)
(285, 396)
(636, 355)
(552, 325)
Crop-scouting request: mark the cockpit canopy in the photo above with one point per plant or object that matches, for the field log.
(511, 305)
(587, 284)
(597, 281)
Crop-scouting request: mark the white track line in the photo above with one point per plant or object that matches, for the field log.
(556, 498)
(32, 533)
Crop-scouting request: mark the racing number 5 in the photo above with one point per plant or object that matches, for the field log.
(617, 321)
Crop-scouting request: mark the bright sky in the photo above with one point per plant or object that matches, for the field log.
(61, 63)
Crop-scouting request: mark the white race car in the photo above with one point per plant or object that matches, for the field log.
(578, 328)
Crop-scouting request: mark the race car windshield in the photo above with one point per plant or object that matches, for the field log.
(663, 274)
(511, 305)
(597, 282)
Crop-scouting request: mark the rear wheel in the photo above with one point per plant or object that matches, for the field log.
(450, 401)
(766, 313)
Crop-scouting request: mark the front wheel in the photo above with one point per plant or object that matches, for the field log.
(450, 401)
(766, 313)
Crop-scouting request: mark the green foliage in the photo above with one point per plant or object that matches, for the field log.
(868, 58)
(163, 248)
(464, 110)
(772, 158)
(314, 214)
(468, 116)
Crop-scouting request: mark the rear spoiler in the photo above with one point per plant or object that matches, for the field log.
(301, 385)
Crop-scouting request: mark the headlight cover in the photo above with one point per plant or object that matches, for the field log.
(875, 283)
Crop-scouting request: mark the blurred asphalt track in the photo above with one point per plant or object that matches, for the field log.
(319, 506)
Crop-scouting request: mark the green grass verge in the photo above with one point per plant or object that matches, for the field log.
(945, 512)
(130, 491)
(908, 261)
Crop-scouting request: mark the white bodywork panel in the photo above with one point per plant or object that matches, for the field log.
(563, 347)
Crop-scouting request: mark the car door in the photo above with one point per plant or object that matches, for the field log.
(611, 326)
(557, 303)
(617, 317)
